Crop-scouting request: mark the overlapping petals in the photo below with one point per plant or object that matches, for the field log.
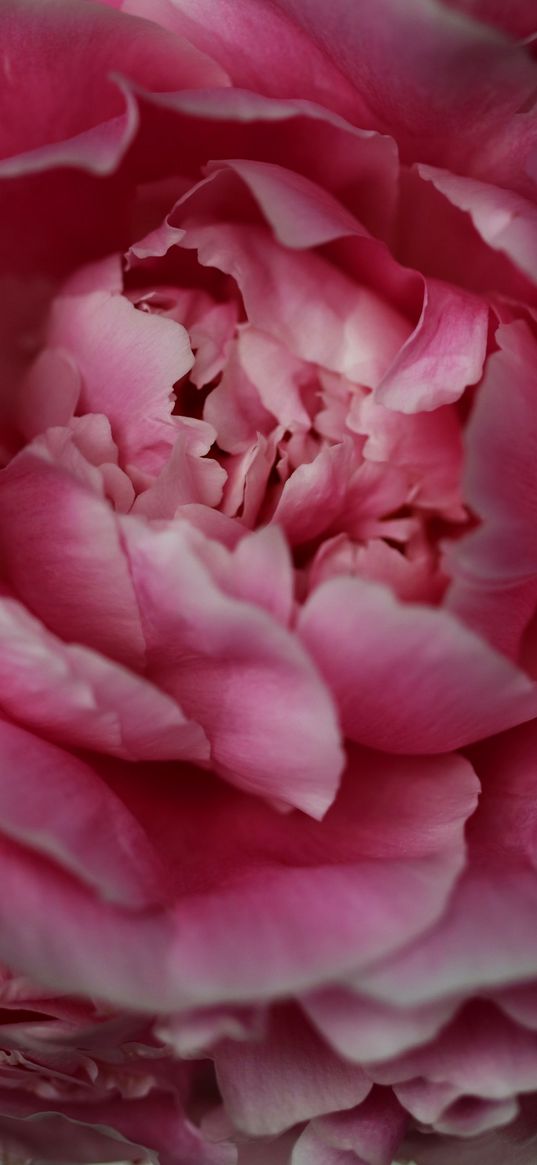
(268, 582)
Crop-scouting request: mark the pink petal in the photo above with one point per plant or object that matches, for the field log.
(362, 1029)
(57, 105)
(287, 1076)
(481, 1053)
(63, 556)
(444, 354)
(295, 133)
(435, 68)
(506, 221)
(255, 891)
(261, 49)
(129, 360)
(503, 549)
(409, 678)
(485, 938)
(367, 1135)
(234, 670)
(80, 698)
(260, 386)
(60, 808)
(50, 393)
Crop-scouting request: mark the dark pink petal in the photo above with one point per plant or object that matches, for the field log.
(260, 48)
(409, 678)
(57, 105)
(297, 134)
(110, 1129)
(434, 68)
(517, 19)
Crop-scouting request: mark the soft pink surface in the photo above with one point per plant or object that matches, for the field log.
(268, 582)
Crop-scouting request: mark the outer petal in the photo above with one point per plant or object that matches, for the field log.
(505, 221)
(52, 41)
(485, 938)
(435, 66)
(408, 678)
(261, 48)
(253, 890)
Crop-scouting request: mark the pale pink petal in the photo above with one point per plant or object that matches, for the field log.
(367, 1135)
(234, 670)
(514, 1144)
(259, 570)
(90, 833)
(286, 1076)
(188, 477)
(408, 678)
(260, 386)
(62, 553)
(442, 1107)
(335, 492)
(506, 221)
(247, 479)
(411, 579)
(194, 1032)
(481, 1053)
(444, 354)
(363, 1030)
(301, 213)
(129, 360)
(234, 408)
(319, 313)
(80, 698)
(427, 444)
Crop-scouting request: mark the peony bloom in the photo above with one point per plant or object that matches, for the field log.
(268, 582)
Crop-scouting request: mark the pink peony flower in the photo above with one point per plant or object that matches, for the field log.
(268, 582)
